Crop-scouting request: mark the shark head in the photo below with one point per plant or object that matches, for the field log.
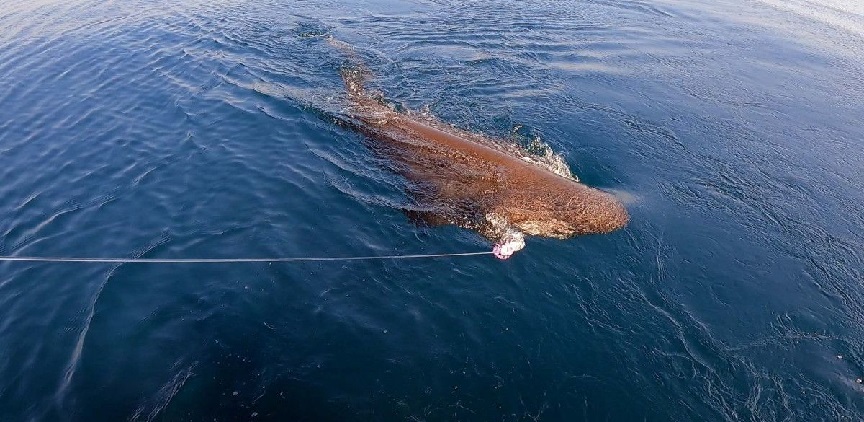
(563, 211)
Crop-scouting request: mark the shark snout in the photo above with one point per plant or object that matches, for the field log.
(606, 214)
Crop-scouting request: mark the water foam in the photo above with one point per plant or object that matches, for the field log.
(532, 149)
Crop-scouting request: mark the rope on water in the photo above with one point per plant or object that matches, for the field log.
(226, 260)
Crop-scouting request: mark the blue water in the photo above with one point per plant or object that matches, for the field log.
(732, 130)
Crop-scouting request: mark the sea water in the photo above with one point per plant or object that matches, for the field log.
(192, 129)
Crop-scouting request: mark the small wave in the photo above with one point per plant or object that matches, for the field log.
(163, 396)
(846, 15)
(75, 358)
(537, 151)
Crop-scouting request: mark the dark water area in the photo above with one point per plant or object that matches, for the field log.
(732, 130)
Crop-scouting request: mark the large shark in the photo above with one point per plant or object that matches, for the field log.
(468, 180)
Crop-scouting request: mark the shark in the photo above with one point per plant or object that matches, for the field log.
(466, 179)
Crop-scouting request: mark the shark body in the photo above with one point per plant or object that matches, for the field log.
(461, 178)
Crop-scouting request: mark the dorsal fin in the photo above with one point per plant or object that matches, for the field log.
(355, 74)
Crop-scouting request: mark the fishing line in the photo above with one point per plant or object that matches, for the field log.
(227, 260)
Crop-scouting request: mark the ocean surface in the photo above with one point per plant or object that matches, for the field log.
(733, 130)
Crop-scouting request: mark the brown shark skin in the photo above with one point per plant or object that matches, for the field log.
(462, 181)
